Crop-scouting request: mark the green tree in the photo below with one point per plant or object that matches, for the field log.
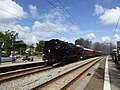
(1, 36)
(39, 46)
(9, 37)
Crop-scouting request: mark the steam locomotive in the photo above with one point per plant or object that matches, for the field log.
(56, 51)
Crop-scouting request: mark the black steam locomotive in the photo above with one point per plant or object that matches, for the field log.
(60, 52)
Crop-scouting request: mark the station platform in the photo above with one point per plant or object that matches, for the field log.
(20, 64)
(105, 76)
(114, 75)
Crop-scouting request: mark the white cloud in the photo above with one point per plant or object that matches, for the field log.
(10, 11)
(113, 39)
(91, 36)
(48, 28)
(116, 37)
(74, 28)
(33, 11)
(54, 16)
(50, 25)
(45, 28)
(26, 34)
(99, 9)
(106, 39)
(107, 16)
(110, 16)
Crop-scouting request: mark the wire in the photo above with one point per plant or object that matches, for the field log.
(60, 12)
(116, 25)
(68, 11)
(72, 17)
(65, 15)
(31, 20)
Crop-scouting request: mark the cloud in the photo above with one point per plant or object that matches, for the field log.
(99, 9)
(74, 28)
(11, 15)
(106, 39)
(116, 37)
(107, 16)
(54, 16)
(26, 34)
(33, 11)
(91, 36)
(113, 39)
(50, 25)
(48, 28)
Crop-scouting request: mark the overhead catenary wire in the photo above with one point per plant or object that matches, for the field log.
(30, 21)
(61, 12)
(65, 15)
(33, 22)
(115, 30)
(68, 12)
(72, 17)
(116, 25)
(85, 33)
(42, 25)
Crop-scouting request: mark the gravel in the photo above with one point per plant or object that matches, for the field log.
(30, 81)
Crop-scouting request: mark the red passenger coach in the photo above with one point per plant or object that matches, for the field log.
(88, 53)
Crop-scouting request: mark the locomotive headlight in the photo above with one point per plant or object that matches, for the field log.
(55, 42)
(42, 54)
(48, 50)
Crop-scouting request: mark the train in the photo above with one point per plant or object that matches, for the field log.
(56, 51)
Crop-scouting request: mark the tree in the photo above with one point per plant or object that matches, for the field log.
(105, 48)
(85, 43)
(1, 36)
(9, 37)
(79, 41)
(39, 46)
(30, 49)
(97, 46)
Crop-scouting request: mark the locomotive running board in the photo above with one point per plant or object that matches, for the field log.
(56, 64)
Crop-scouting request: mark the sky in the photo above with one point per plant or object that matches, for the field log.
(68, 20)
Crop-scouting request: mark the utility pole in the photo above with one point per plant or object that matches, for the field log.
(1, 46)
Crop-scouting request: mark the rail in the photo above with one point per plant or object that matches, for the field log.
(61, 82)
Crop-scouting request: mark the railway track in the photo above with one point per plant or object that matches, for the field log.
(4, 77)
(40, 77)
(62, 82)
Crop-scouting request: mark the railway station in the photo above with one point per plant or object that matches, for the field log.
(103, 75)
(59, 45)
